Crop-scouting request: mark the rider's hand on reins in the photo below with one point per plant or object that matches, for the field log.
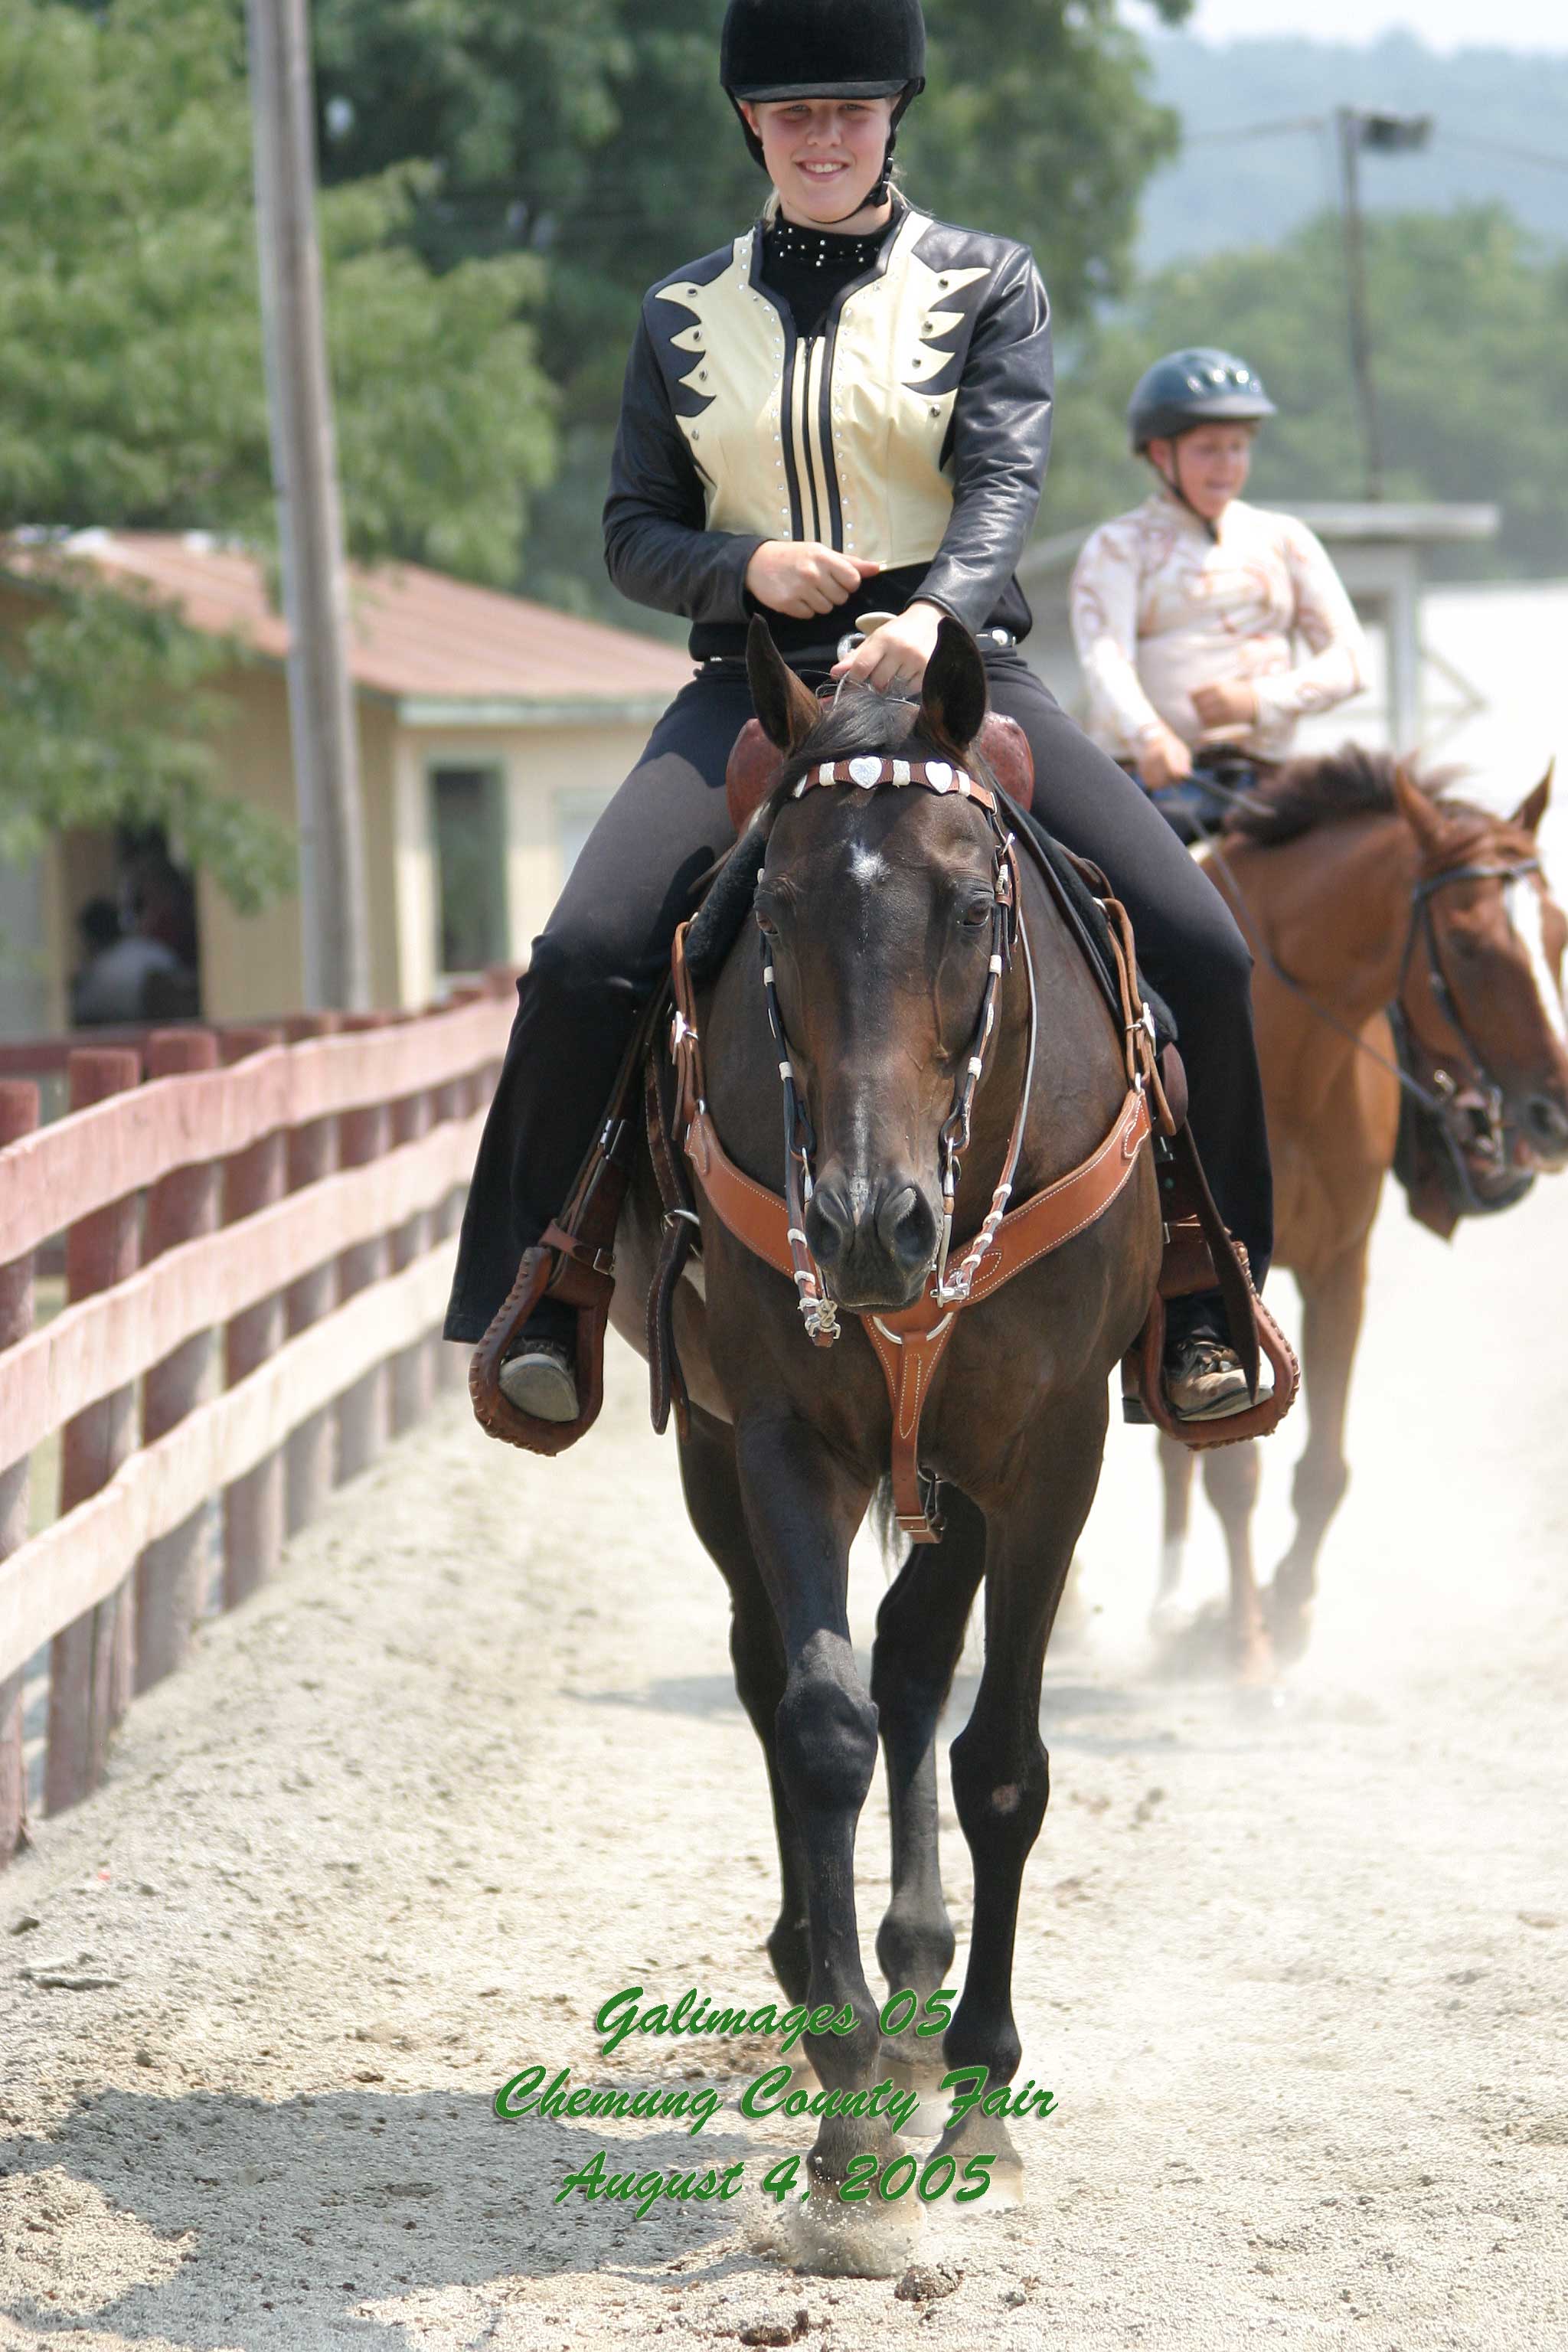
(801, 577)
(1164, 758)
(1232, 703)
(895, 658)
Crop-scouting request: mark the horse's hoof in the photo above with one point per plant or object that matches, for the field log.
(985, 2136)
(864, 2237)
(1289, 1623)
(1255, 1665)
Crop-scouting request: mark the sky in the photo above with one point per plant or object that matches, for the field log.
(1443, 24)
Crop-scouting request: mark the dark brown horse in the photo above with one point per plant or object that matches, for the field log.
(1357, 891)
(880, 908)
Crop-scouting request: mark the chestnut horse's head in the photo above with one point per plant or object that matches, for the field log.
(1484, 981)
(879, 908)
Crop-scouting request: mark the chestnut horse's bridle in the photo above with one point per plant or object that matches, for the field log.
(1470, 1116)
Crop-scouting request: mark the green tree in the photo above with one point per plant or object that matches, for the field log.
(1470, 354)
(599, 139)
(133, 394)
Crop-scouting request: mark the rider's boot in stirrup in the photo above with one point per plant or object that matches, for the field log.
(539, 1375)
(1203, 1374)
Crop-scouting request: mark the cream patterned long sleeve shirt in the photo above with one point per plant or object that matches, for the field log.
(1159, 609)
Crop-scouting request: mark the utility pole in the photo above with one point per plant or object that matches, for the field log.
(1386, 134)
(335, 921)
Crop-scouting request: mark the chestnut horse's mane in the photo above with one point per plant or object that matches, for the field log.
(1329, 787)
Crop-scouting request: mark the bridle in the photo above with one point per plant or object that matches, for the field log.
(1450, 1103)
(1009, 934)
(1469, 1110)
(910, 1342)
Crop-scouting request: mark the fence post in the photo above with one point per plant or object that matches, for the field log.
(363, 1410)
(18, 1116)
(413, 1372)
(313, 1154)
(253, 1506)
(169, 1579)
(90, 1665)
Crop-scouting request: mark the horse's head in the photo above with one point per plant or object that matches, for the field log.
(1483, 984)
(879, 908)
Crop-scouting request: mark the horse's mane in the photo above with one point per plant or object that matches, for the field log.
(1327, 788)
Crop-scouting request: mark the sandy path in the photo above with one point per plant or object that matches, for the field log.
(1295, 1974)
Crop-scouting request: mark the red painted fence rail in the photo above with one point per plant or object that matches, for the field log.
(259, 1230)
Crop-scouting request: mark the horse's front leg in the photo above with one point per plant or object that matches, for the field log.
(919, 1639)
(1001, 1778)
(804, 1504)
(1332, 1302)
(1176, 1476)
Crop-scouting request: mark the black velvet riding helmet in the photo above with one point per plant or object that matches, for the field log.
(780, 49)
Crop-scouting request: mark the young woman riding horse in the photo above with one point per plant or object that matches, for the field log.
(1187, 613)
(846, 409)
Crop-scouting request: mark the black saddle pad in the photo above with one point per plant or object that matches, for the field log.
(1086, 917)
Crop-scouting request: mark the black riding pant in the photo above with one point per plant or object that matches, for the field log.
(606, 947)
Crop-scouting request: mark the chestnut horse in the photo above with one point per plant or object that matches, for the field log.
(1357, 891)
(880, 910)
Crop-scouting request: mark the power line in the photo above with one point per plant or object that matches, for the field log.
(1255, 129)
(1502, 147)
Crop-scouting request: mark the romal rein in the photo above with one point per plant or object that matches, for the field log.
(910, 1343)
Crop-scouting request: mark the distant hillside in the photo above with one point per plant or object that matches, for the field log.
(1221, 193)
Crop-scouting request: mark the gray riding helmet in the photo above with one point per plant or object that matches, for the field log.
(1201, 386)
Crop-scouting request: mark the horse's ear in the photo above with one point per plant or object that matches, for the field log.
(953, 695)
(1418, 809)
(1532, 808)
(787, 708)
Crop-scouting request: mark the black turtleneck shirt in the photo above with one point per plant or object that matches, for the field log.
(805, 268)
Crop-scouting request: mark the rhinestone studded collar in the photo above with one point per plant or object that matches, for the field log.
(811, 248)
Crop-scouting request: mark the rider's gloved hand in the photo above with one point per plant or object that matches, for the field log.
(801, 577)
(1162, 759)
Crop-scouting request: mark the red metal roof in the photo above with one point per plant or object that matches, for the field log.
(415, 633)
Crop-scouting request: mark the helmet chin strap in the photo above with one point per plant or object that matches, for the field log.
(1173, 481)
(875, 195)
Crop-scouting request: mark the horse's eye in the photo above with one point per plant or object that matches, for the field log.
(766, 922)
(975, 914)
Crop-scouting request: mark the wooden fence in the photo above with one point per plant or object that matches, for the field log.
(259, 1227)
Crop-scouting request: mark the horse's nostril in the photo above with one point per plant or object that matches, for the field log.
(827, 1226)
(905, 1226)
(1546, 1123)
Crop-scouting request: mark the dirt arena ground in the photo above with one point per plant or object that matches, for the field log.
(1295, 1968)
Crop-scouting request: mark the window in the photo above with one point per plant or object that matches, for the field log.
(471, 867)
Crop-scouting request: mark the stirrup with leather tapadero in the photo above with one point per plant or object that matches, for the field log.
(1200, 1255)
(574, 1263)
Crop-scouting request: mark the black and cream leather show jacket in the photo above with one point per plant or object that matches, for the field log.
(912, 431)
